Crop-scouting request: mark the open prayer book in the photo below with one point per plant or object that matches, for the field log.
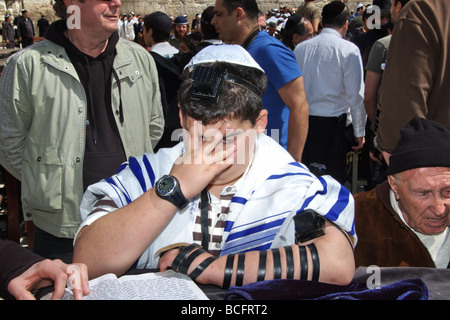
(167, 285)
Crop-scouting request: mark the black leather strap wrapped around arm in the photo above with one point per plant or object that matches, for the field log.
(289, 262)
(262, 265)
(228, 272)
(315, 260)
(240, 269)
(303, 263)
(276, 263)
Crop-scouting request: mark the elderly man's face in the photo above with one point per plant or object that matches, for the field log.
(423, 196)
(99, 17)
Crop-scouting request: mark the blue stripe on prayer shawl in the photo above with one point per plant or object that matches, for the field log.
(311, 198)
(296, 164)
(340, 204)
(125, 192)
(149, 169)
(240, 200)
(278, 176)
(300, 165)
(352, 231)
(260, 228)
(122, 166)
(264, 242)
(137, 171)
(229, 224)
(111, 182)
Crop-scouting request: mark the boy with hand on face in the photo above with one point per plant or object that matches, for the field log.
(228, 205)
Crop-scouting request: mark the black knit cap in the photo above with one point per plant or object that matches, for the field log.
(423, 143)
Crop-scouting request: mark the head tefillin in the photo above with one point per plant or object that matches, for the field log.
(207, 83)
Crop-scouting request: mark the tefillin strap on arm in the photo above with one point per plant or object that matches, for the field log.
(277, 265)
(207, 82)
(187, 255)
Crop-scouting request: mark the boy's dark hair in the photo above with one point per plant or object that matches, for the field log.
(161, 25)
(234, 101)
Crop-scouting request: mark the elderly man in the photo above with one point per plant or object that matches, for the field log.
(227, 200)
(404, 221)
(73, 108)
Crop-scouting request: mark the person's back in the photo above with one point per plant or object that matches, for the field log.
(328, 47)
(334, 88)
(417, 66)
(311, 12)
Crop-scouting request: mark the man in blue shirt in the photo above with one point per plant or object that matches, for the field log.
(285, 99)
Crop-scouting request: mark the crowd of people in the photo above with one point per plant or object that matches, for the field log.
(147, 142)
(20, 31)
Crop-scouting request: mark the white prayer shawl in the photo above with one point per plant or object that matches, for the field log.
(260, 216)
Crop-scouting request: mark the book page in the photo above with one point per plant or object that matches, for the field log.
(167, 285)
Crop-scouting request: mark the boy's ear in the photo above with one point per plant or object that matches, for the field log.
(261, 121)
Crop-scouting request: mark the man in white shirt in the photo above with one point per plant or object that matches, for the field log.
(126, 29)
(333, 72)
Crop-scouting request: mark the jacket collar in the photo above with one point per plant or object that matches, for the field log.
(383, 190)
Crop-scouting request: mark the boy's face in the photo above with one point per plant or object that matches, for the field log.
(235, 132)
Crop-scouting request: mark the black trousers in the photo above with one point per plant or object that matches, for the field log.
(26, 42)
(51, 247)
(327, 145)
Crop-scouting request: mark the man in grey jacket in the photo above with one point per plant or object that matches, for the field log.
(8, 32)
(73, 109)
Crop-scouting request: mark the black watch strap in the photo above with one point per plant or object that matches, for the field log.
(174, 195)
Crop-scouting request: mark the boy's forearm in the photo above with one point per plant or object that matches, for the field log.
(115, 241)
(334, 263)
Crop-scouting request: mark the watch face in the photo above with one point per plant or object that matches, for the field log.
(166, 185)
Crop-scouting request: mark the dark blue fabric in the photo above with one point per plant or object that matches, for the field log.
(410, 289)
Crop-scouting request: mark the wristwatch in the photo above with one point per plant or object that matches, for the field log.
(168, 188)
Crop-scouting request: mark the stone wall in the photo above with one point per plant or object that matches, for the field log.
(172, 7)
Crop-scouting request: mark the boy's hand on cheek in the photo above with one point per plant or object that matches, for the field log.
(202, 160)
